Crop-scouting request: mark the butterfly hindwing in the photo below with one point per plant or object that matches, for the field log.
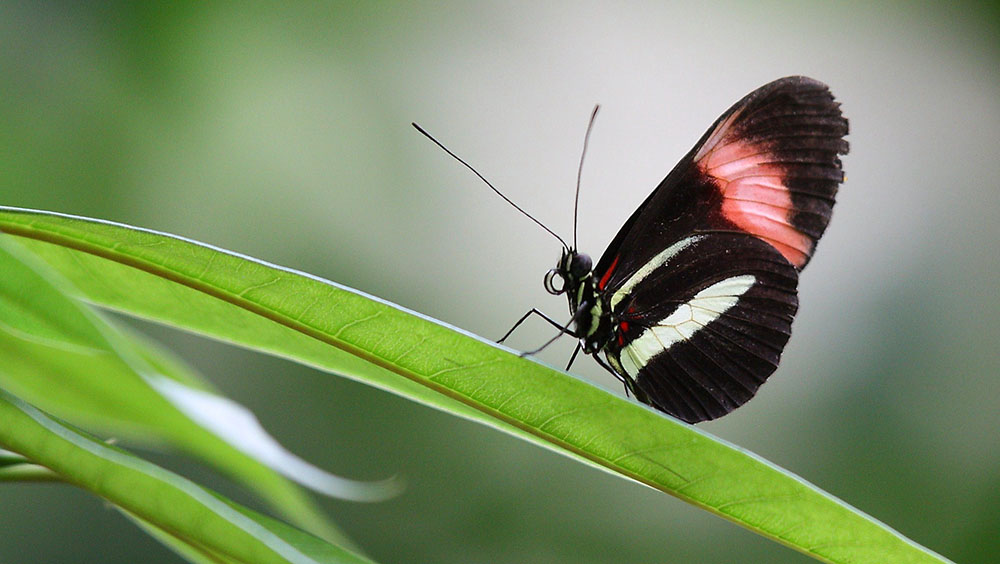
(701, 332)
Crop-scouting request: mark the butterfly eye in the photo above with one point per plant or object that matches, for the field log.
(550, 282)
(581, 266)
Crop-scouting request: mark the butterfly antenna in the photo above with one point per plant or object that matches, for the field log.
(488, 183)
(579, 172)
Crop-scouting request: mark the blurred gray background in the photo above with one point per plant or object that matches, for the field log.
(283, 133)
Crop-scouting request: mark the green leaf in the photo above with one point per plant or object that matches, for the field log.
(16, 468)
(59, 355)
(272, 309)
(197, 521)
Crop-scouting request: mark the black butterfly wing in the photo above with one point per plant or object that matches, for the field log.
(701, 280)
(769, 166)
(701, 332)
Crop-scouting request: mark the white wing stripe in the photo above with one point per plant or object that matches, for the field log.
(705, 307)
(656, 262)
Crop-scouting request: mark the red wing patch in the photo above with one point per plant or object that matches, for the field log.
(755, 196)
(774, 157)
(607, 275)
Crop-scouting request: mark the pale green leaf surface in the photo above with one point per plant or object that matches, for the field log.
(58, 354)
(316, 548)
(257, 305)
(190, 552)
(187, 513)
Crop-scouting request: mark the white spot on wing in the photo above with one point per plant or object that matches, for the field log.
(705, 307)
(628, 362)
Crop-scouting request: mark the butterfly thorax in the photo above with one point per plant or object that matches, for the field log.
(574, 276)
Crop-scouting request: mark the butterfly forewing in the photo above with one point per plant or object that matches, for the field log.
(700, 283)
(773, 158)
(768, 166)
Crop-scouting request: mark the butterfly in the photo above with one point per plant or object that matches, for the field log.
(692, 302)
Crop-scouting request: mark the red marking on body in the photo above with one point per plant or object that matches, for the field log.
(755, 196)
(624, 326)
(607, 275)
(621, 340)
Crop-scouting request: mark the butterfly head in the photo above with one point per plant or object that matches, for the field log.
(570, 272)
(573, 276)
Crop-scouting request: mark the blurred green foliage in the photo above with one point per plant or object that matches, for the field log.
(213, 120)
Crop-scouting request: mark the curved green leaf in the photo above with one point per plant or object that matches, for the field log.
(257, 305)
(192, 517)
(59, 355)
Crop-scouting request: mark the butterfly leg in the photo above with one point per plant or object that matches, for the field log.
(534, 311)
(563, 330)
(576, 351)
